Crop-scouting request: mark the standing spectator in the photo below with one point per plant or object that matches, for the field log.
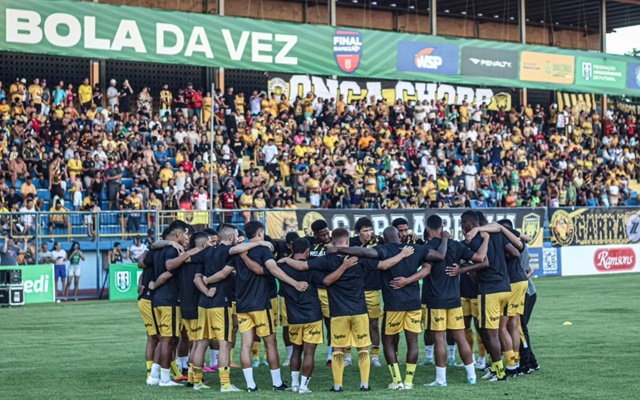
(85, 95)
(60, 267)
(45, 256)
(46, 99)
(113, 95)
(470, 172)
(166, 101)
(74, 270)
(270, 152)
(116, 256)
(125, 100)
(201, 199)
(35, 95)
(113, 176)
(196, 101)
(58, 220)
(136, 250)
(144, 100)
(10, 251)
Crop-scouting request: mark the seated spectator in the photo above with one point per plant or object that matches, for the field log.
(58, 220)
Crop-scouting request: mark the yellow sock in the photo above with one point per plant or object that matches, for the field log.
(468, 334)
(394, 369)
(411, 371)
(149, 364)
(197, 375)
(175, 371)
(255, 350)
(375, 351)
(482, 351)
(509, 358)
(225, 377)
(231, 355)
(498, 369)
(516, 355)
(364, 364)
(337, 367)
(190, 373)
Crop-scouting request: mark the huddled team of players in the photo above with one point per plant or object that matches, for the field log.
(198, 288)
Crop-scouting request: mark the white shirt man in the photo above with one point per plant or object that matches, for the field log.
(202, 201)
(136, 251)
(270, 152)
(112, 94)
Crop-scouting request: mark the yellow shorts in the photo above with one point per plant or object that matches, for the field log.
(168, 320)
(350, 330)
(273, 312)
(373, 304)
(214, 324)
(395, 322)
(516, 300)
(146, 311)
(324, 302)
(439, 320)
(261, 320)
(306, 333)
(490, 308)
(233, 308)
(283, 313)
(192, 328)
(469, 307)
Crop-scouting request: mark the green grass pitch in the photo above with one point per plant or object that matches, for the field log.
(96, 350)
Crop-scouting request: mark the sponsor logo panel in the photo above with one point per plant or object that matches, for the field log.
(600, 72)
(347, 49)
(430, 58)
(548, 68)
(491, 63)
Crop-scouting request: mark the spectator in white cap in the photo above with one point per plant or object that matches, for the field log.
(112, 94)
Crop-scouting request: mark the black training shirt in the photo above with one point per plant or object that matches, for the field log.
(302, 307)
(494, 278)
(346, 295)
(252, 290)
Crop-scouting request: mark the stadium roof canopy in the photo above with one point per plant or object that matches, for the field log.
(577, 15)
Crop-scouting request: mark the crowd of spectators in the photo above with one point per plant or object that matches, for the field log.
(273, 152)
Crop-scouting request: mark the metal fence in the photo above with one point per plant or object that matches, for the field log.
(99, 232)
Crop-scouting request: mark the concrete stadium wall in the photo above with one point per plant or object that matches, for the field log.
(279, 10)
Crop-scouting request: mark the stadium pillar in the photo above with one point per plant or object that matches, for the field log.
(433, 17)
(603, 44)
(522, 28)
(332, 12)
(216, 75)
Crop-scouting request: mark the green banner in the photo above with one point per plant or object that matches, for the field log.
(38, 283)
(601, 72)
(94, 30)
(123, 281)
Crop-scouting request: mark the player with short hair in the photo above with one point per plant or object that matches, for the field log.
(519, 284)
(166, 301)
(402, 225)
(366, 238)
(253, 303)
(441, 299)
(304, 317)
(285, 249)
(214, 283)
(189, 297)
(402, 305)
(319, 242)
(494, 291)
(349, 321)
